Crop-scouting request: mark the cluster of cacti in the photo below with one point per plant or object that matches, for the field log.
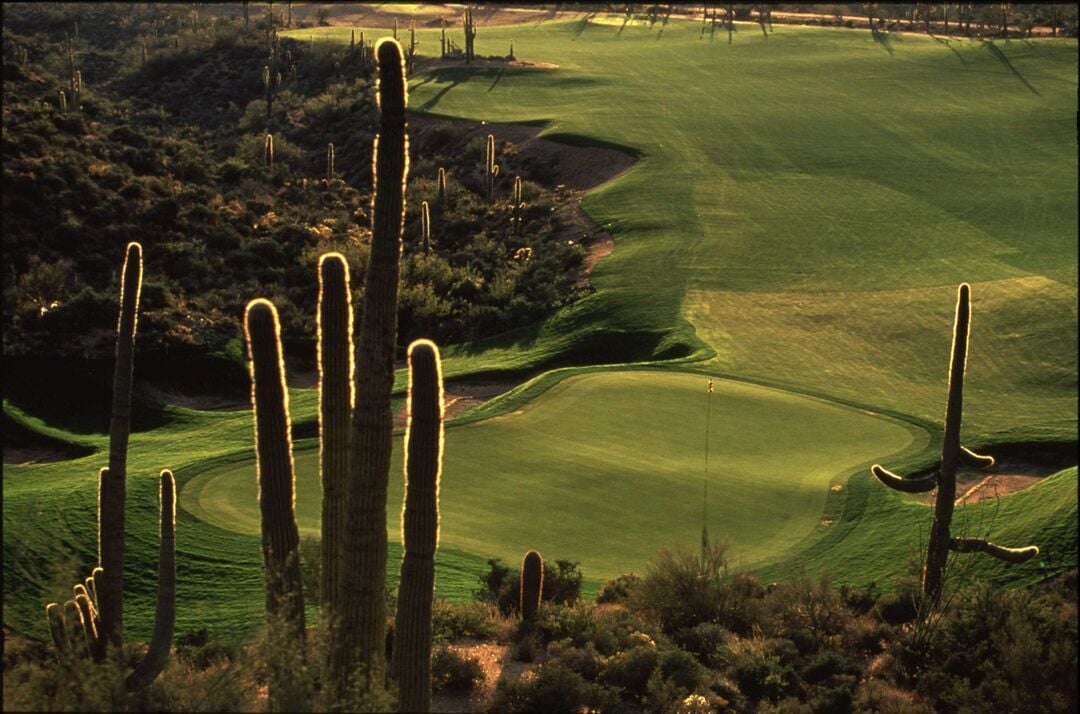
(944, 479)
(97, 610)
(491, 169)
(470, 33)
(532, 584)
(330, 161)
(517, 207)
(268, 153)
(420, 528)
(441, 184)
(356, 423)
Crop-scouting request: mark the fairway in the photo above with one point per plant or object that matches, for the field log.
(608, 467)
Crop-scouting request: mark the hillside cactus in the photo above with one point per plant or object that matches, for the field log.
(944, 479)
(268, 153)
(63, 103)
(359, 647)
(330, 161)
(420, 527)
(532, 584)
(425, 227)
(442, 187)
(517, 207)
(491, 169)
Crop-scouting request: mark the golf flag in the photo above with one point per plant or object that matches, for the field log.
(710, 386)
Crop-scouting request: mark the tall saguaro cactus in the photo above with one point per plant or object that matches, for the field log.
(335, 326)
(273, 462)
(532, 584)
(470, 34)
(363, 579)
(420, 527)
(944, 479)
(491, 169)
(330, 161)
(112, 495)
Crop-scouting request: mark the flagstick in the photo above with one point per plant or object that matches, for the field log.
(705, 502)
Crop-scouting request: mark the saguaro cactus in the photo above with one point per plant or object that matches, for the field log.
(165, 609)
(425, 226)
(274, 464)
(442, 187)
(491, 169)
(335, 325)
(944, 479)
(268, 152)
(277, 498)
(470, 34)
(532, 584)
(112, 494)
(63, 103)
(363, 579)
(517, 206)
(420, 527)
(330, 161)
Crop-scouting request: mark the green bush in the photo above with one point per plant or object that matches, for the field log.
(555, 688)
(631, 669)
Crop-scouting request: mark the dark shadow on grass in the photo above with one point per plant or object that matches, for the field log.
(949, 45)
(498, 76)
(1000, 57)
(884, 39)
(582, 24)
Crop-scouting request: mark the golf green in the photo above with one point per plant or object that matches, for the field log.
(606, 468)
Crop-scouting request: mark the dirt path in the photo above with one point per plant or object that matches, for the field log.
(1007, 476)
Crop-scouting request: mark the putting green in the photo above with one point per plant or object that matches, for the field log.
(607, 467)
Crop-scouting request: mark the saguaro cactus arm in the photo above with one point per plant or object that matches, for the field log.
(981, 545)
(906, 485)
(165, 608)
(420, 527)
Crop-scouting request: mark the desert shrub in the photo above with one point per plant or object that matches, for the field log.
(1005, 651)
(528, 648)
(684, 587)
(704, 640)
(585, 660)
(759, 673)
(823, 665)
(559, 622)
(809, 607)
(860, 600)
(200, 650)
(555, 688)
(477, 620)
(682, 669)
(618, 590)
(631, 669)
(451, 671)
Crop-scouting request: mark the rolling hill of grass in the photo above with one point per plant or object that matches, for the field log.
(803, 209)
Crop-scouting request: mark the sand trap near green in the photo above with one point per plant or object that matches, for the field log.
(607, 468)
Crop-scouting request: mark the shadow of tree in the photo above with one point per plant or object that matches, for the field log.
(1000, 57)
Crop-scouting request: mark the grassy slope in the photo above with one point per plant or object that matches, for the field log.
(809, 190)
